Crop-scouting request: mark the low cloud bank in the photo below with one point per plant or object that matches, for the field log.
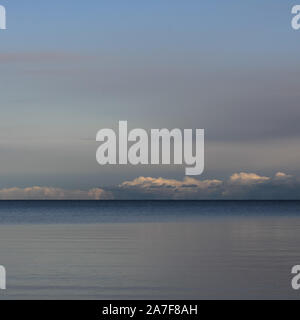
(48, 193)
(238, 186)
(160, 188)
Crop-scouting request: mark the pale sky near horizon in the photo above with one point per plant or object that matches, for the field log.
(69, 69)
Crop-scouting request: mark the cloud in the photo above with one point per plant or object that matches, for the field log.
(239, 186)
(171, 183)
(170, 188)
(282, 176)
(247, 178)
(253, 186)
(48, 193)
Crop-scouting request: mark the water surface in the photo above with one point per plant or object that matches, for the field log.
(149, 250)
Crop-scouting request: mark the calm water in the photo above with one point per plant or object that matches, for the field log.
(155, 250)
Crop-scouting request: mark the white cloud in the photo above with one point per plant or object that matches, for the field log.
(49, 193)
(170, 188)
(239, 186)
(282, 176)
(244, 178)
(187, 182)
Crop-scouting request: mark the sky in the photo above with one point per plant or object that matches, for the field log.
(70, 69)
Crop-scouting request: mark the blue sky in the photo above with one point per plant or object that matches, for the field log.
(70, 68)
(146, 25)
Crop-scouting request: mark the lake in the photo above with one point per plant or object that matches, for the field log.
(149, 249)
